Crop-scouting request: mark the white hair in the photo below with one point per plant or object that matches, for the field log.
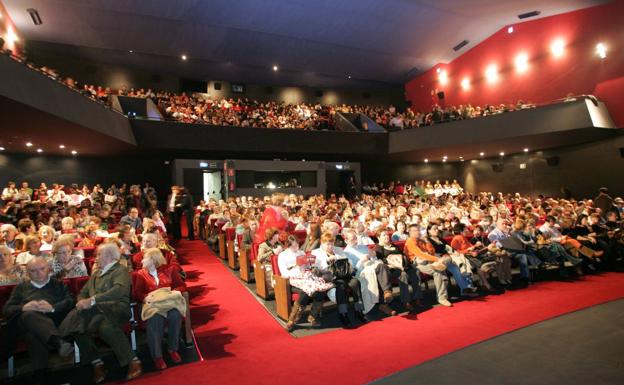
(110, 250)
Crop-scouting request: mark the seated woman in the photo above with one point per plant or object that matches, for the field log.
(64, 263)
(155, 274)
(307, 285)
(313, 239)
(149, 241)
(128, 242)
(32, 245)
(10, 273)
(400, 268)
(47, 236)
(480, 260)
(400, 235)
(270, 246)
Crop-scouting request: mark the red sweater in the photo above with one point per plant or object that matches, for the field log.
(168, 276)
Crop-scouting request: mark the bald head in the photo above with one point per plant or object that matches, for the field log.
(38, 270)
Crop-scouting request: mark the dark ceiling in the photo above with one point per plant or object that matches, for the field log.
(315, 43)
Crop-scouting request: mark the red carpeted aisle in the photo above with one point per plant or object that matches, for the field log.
(242, 344)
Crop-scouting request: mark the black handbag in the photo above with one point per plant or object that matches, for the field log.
(340, 268)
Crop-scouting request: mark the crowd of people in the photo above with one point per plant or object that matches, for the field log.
(358, 247)
(244, 112)
(116, 244)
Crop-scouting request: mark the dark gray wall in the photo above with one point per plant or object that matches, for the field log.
(66, 170)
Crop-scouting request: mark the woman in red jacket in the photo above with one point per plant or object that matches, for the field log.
(156, 274)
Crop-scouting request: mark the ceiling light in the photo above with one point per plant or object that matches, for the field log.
(445, 157)
(349, 76)
(131, 51)
(438, 70)
(74, 152)
(62, 146)
(28, 144)
(482, 153)
(557, 47)
(501, 153)
(522, 62)
(426, 160)
(39, 150)
(491, 73)
(526, 150)
(444, 160)
(510, 29)
(183, 57)
(2, 148)
(465, 83)
(275, 68)
(601, 50)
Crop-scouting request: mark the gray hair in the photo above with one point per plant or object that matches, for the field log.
(110, 250)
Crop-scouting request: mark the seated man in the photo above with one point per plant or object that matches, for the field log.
(35, 309)
(132, 220)
(497, 236)
(103, 307)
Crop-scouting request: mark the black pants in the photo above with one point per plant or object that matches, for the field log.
(342, 292)
(174, 224)
(189, 225)
(38, 330)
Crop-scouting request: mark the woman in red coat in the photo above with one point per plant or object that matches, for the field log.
(156, 274)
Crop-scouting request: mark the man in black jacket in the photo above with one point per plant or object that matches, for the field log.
(34, 311)
(186, 206)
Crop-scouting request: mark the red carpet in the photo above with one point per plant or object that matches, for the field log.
(242, 344)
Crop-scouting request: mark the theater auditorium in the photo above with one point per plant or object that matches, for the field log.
(340, 192)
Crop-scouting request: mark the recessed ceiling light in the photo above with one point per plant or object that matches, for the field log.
(39, 150)
(275, 68)
(445, 157)
(426, 160)
(526, 150)
(482, 153)
(62, 146)
(74, 152)
(510, 29)
(28, 144)
(444, 160)
(183, 57)
(349, 76)
(501, 153)
(2, 148)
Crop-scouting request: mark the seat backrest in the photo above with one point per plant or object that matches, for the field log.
(400, 245)
(5, 293)
(300, 234)
(230, 233)
(276, 270)
(254, 251)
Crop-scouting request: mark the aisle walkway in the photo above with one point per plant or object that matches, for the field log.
(242, 344)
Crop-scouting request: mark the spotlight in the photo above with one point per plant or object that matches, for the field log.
(183, 57)
(522, 62)
(444, 160)
(349, 76)
(443, 78)
(557, 48)
(2, 149)
(482, 153)
(438, 70)
(28, 144)
(601, 50)
(275, 68)
(130, 51)
(426, 160)
(445, 157)
(501, 153)
(74, 152)
(491, 73)
(465, 83)
(510, 29)
(62, 146)
(526, 150)
(39, 150)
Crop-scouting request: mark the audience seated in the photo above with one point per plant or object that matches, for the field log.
(10, 272)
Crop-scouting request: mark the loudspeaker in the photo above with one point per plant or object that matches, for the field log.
(217, 86)
(622, 152)
(553, 161)
(318, 93)
(497, 167)
(441, 95)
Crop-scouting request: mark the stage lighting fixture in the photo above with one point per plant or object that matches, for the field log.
(557, 48)
(491, 73)
(522, 62)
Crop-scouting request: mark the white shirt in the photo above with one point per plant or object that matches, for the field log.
(24, 258)
(287, 262)
(39, 286)
(154, 273)
(107, 268)
(321, 257)
(171, 205)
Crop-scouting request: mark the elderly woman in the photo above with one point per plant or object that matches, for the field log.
(8, 233)
(64, 263)
(149, 241)
(155, 274)
(46, 235)
(32, 245)
(307, 285)
(10, 273)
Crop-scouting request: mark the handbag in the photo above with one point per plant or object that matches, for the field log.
(340, 269)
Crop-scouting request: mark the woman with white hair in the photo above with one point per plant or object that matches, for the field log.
(156, 274)
(10, 273)
(64, 263)
(47, 236)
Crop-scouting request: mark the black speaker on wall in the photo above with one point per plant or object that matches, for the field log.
(217, 86)
(622, 152)
(497, 167)
(441, 95)
(318, 93)
(552, 161)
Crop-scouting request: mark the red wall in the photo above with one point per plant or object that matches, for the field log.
(7, 24)
(578, 71)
